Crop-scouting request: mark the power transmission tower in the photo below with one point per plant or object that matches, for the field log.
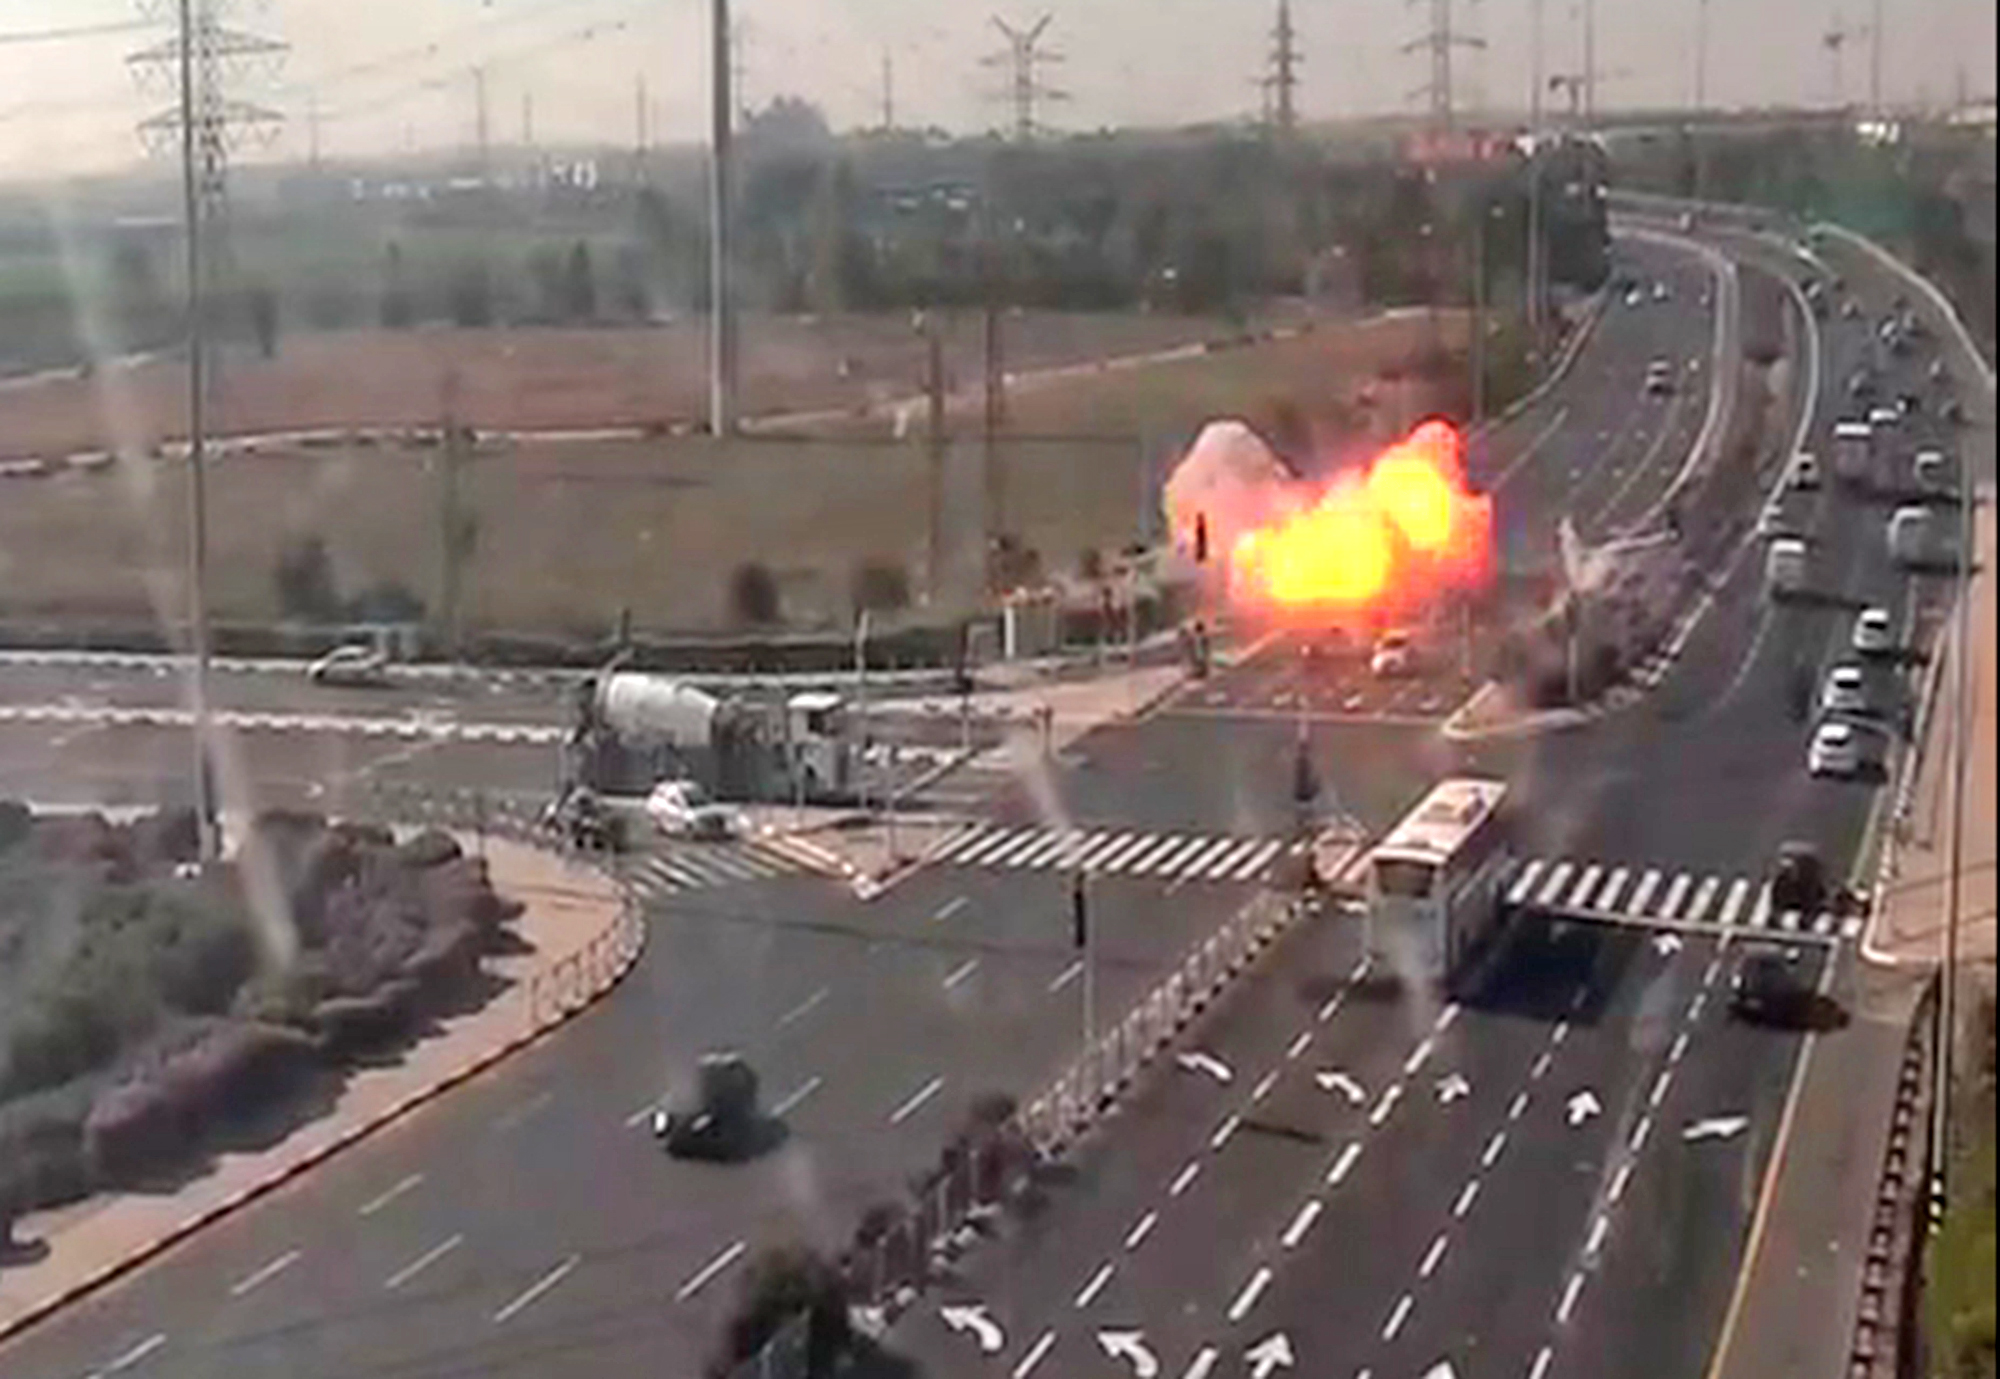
(1835, 41)
(201, 126)
(1439, 40)
(888, 92)
(1875, 61)
(1281, 80)
(1024, 58)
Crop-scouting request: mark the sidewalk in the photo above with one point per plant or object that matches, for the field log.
(1909, 926)
(581, 943)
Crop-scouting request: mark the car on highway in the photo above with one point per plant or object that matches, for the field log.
(581, 818)
(1771, 523)
(1635, 296)
(1659, 377)
(1874, 632)
(1835, 750)
(1931, 471)
(1845, 691)
(1883, 418)
(722, 1121)
(1770, 984)
(1395, 654)
(1850, 309)
(1785, 566)
(1798, 878)
(680, 808)
(1804, 476)
(354, 666)
(1661, 292)
(1861, 384)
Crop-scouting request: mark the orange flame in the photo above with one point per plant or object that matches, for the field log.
(1380, 540)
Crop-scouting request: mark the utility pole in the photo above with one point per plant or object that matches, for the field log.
(888, 92)
(1282, 82)
(528, 121)
(721, 305)
(312, 132)
(1945, 1034)
(191, 211)
(1438, 41)
(1590, 62)
(1535, 252)
(451, 522)
(934, 440)
(1478, 350)
(482, 132)
(1024, 57)
(1875, 60)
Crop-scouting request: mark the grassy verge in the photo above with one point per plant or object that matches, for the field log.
(1959, 1302)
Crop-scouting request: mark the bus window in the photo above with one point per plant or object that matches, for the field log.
(1403, 877)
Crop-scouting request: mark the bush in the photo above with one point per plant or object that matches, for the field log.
(430, 848)
(16, 820)
(781, 1284)
(306, 588)
(753, 595)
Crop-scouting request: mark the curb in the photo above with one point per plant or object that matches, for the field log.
(354, 1134)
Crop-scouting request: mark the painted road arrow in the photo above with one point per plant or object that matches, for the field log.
(1715, 1128)
(1130, 1346)
(1583, 1106)
(1334, 1080)
(1441, 1370)
(1206, 1063)
(1451, 1087)
(1666, 945)
(1270, 1355)
(972, 1319)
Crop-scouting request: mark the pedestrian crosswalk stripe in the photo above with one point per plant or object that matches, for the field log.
(1580, 897)
(1557, 879)
(1100, 845)
(1670, 907)
(1647, 885)
(1257, 859)
(1005, 841)
(1710, 902)
(1049, 852)
(1613, 886)
(1181, 856)
(704, 867)
(1144, 861)
(1119, 852)
(1206, 858)
(1236, 855)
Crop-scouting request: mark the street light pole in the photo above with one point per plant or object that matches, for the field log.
(1961, 735)
(197, 450)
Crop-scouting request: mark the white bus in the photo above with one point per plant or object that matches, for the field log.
(1434, 883)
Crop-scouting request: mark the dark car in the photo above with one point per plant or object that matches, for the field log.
(586, 822)
(1798, 879)
(723, 1123)
(1770, 984)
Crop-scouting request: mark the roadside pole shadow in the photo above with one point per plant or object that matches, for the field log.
(21, 1253)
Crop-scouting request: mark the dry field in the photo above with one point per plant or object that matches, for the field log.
(570, 532)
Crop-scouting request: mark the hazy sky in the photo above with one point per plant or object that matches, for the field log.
(391, 73)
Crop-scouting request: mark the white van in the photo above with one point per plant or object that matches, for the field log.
(1853, 450)
(1785, 567)
(1910, 536)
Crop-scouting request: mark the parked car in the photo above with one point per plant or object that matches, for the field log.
(1874, 632)
(1659, 377)
(1846, 691)
(1770, 985)
(682, 809)
(350, 665)
(1395, 654)
(1805, 471)
(1835, 750)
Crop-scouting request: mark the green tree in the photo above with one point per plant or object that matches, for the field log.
(580, 286)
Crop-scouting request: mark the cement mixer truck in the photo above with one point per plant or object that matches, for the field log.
(636, 729)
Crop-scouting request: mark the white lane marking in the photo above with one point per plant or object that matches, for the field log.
(1568, 1303)
(1264, 1086)
(1142, 1228)
(916, 1101)
(1066, 976)
(1182, 1180)
(1302, 1223)
(1224, 1132)
(1541, 1066)
(1493, 1148)
(1331, 1008)
(265, 1274)
(1695, 1006)
(422, 1262)
(1298, 1045)
(1391, 1094)
(1640, 1132)
(1679, 1049)
(1518, 1106)
(1466, 1196)
(375, 1204)
(1404, 1305)
(706, 1274)
(950, 908)
(638, 1117)
(1088, 1293)
(135, 1354)
(1619, 1180)
(1419, 1056)
(1036, 1354)
(1599, 1228)
(1559, 1033)
(539, 1287)
(508, 1120)
(1203, 1364)
(1445, 1018)
(1252, 1291)
(1344, 1164)
(804, 1008)
(961, 972)
(792, 1102)
(1433, 1255)
(1544, 1357)
(1660, 1085)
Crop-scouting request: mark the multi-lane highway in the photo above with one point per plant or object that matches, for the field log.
(1381, 1182)
(1555, 1174)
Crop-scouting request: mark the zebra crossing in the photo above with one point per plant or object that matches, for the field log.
(677, 868)
(1664, 897)
(1127, 852)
